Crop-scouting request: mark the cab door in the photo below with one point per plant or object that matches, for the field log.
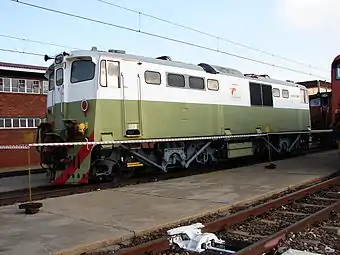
(58, 96)
(131, 98)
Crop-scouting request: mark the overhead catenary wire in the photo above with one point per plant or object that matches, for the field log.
(37, 41)
(22, 52)
(162, 37)
(210, 35)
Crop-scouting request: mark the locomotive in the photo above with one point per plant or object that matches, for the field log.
(110, 114)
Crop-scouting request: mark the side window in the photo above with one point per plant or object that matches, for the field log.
(212, 85)
(196, 82)
(59, 77)
(303, 96)
(276, 92)
(176, 80)
(113, 74)
(103, 78)
(285, 93)
(267, 95)
(255, 94)
(152, 77)
(306, 97)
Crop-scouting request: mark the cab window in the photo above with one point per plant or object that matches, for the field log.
(82, 70)
(51, 81)
(337, 72)
(59, 76)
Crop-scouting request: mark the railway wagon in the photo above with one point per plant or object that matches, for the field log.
(157, 114)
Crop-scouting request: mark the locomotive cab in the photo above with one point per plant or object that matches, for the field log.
(70, 106)
(71, 88)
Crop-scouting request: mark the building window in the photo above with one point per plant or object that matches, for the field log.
(212, 84)
(14, 85)
(23, 123)
(45, 87)
(196, 82)
(16, 123)
(152, 77)
(7, 84)
(22, 86)
(176, 80)
(33, 86)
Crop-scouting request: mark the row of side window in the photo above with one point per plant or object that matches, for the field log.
(20, 122)
(179, 81)
(285, 94)
(28, 86)
(276, 93)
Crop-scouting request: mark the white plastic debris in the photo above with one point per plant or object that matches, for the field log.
(191, 238)
(297, 252)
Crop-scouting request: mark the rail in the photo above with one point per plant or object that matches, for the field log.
(190, 238)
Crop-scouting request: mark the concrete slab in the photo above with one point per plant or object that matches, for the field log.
(82, 219)
(21, 182)
(47, 233)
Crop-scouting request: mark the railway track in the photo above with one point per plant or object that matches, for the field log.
(267, 227)
(43, 192)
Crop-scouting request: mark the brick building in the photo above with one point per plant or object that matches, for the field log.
(316, 86)
(23, 90)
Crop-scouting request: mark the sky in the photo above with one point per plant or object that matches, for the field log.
(300, 30)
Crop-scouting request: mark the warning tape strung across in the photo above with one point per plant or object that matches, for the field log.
(27, 146)
(14, 147)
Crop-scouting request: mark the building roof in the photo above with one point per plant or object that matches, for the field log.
(314, 83)
(22, 68)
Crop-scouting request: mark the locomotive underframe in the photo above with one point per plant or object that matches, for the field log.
(108, 162)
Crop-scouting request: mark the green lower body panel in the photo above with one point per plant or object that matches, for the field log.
(109, 120)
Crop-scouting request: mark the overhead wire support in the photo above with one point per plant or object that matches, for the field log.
(163, 37)
(210, 35)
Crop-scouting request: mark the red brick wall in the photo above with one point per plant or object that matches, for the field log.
(23, 105)
(29, 105)
(17, 158)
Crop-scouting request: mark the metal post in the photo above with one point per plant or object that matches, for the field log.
(29, 174)
(269, 150)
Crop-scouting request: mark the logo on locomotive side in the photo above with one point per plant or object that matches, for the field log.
(234, 92)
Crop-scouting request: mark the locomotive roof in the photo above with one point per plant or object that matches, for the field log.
(201, 67)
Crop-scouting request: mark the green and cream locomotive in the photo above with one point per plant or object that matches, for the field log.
(128, 112)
